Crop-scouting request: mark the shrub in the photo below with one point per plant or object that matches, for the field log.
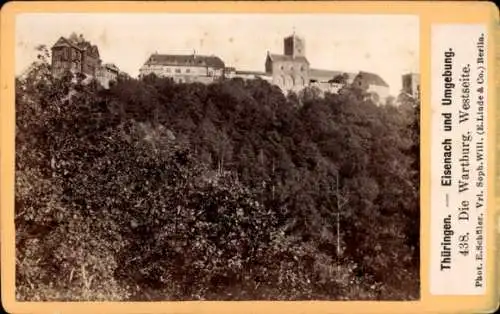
(155, 190)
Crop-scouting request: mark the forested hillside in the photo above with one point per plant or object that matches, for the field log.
(153, 190)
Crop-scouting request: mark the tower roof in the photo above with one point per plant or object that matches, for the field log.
(77, 43)
(64, 42)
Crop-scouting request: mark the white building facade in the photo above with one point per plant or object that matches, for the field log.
(184, 68)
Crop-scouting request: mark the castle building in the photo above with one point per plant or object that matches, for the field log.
(76, 55)
(107, 73)
(229, 72)
(373, 84)
(252, 75)
(411, 84)
(290, 70)
(184, 68)
(330, 81)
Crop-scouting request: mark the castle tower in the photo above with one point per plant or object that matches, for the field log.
(411, 84)
(294, 46)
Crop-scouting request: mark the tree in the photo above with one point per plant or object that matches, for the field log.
(340, 79)
(153, 189)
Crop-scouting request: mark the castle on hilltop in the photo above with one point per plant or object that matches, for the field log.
(77, 55)
(291, 71)
(184, 68)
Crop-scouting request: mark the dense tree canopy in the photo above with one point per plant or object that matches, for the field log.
(156, 190)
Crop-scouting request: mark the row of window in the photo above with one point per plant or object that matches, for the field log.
(178, 70)
(289, 81)
(169, 70)
(65, 55)
(71, 55)
(291, 68)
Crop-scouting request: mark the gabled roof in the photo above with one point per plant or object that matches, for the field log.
(371, 79)
(92, 49)
(80, 45)
(64, 42)
(185, 60)
(276, 57)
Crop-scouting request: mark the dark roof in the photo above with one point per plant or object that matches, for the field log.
(80, 45)
(64, 42)
(185, 60)
(276, 57)
(372, 78)
(85, 45)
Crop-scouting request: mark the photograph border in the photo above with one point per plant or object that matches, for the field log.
(428, 13)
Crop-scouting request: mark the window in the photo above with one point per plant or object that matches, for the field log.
(188, 70)
(282, 67)
(291, 68)
(177, 70)
(168, 70)
(64, 54)
(302, 68)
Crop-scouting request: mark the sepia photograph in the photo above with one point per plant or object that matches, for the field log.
(217, 157)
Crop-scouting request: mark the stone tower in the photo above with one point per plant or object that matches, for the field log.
(411, 84)
(294, 46)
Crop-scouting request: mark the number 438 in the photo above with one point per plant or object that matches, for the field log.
(463, 244)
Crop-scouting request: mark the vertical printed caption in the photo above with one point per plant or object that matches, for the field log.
(458, 159)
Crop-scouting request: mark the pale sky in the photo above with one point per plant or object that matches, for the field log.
(384, 44)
